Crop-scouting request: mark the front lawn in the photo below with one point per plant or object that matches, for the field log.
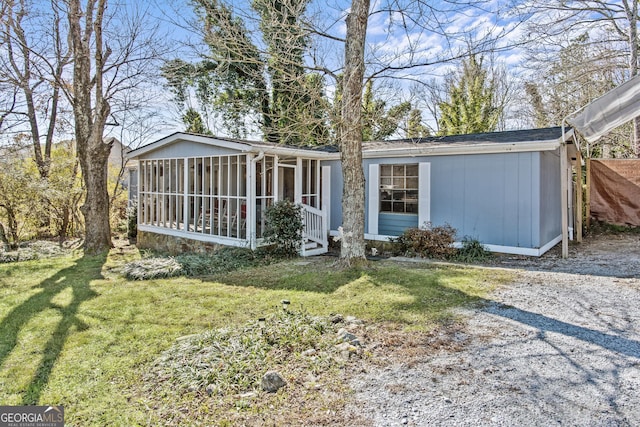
(74, 332)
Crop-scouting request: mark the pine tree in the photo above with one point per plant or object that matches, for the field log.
(471, 107)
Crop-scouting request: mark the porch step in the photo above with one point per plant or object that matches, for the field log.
(310, 245)
(313, 252)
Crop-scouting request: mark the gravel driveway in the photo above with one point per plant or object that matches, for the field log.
(558, 346)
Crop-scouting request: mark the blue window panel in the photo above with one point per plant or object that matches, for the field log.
(394, 224)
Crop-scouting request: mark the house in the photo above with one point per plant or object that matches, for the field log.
(510, 190)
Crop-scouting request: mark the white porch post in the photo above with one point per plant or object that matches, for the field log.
(250, 220)
(325, 203)
(185, 206)
(276, 179)
(297, 186)
(564, 204)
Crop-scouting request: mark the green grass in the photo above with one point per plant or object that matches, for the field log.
(74, 332)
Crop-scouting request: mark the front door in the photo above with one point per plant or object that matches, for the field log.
(287, 182)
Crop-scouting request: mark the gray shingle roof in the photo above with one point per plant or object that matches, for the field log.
(527, 135)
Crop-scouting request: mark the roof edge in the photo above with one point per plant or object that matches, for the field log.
(443, 150)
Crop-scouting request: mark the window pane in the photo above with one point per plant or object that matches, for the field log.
(412, 195)
(412, 170)
(398, 195)
(385, 206)
(412, 183)
(398, 170)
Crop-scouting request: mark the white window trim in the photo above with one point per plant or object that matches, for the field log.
(374, 198)
(424, 193)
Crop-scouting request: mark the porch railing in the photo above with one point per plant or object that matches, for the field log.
(315, 239)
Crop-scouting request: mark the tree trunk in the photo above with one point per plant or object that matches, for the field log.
(11, 235)
(96, 205)
(90, 114)
(353, 245)
(3, 237)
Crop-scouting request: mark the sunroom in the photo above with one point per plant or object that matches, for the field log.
(217, 190)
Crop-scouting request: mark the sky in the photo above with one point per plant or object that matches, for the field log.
(433, 32)
(430, 32)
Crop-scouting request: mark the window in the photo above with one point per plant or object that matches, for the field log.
(399, 188)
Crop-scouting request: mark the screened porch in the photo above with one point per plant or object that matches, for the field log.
(223, 198)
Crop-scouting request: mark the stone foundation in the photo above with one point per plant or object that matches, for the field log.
(173, 245)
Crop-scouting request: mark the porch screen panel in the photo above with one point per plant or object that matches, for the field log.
(311, 183)
(161, 193)
(177, 194)
(216, 198)
(264, 191)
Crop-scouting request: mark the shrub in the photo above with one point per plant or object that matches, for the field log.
(152, 268)
(472, 251)
(283, 228)
(221, 261)
(428, 242)
(132, 222)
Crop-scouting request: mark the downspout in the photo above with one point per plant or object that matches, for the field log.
(259, 157)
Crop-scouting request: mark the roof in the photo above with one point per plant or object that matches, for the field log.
(490, 142)
(243, 146)
(614, 108)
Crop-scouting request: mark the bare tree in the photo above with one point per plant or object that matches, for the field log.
(100, 74)
(32, 63)
(612, 23)
(350, 136)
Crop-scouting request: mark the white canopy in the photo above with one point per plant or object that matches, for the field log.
(611, 110)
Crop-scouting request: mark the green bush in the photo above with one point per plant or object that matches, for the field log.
(132, 222)
(428, 242)
(283, 228)
(472, 251)
(223, 260)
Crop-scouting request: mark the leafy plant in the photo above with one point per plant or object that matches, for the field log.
(223, 260)
(428, 242)
(191, 264)
(472, 251)
(232, 360)
(152, 268)
(283, 228)
(132, 222)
